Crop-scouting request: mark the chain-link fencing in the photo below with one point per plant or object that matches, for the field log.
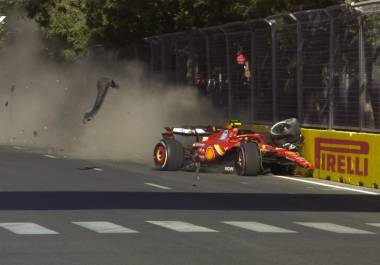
(321, 66)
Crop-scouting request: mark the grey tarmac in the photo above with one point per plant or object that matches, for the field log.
(51, 212)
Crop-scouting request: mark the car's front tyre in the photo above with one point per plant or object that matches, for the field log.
(248, 160)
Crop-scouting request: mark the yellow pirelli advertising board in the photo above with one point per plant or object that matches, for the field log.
(347, 157)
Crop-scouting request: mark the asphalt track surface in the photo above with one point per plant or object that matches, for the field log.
(62, 211)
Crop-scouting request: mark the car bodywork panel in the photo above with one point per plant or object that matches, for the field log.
(213, 145)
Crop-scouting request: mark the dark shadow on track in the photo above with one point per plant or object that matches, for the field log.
(88, 200)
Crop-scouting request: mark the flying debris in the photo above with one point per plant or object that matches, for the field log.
(103, 85)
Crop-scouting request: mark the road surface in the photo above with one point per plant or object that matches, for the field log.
(56, 210)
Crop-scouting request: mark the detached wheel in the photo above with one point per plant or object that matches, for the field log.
(168, 155)
(287, 131)
(249, 160)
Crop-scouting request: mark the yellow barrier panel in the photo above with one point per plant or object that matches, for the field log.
(348, 157)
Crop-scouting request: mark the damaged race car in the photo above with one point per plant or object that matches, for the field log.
(232, 148)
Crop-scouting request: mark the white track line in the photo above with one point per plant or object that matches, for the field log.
(374, 224)
(180, 226)
(50, 156)
(105, 227)
(326, 185)
(158, 186)
(18, 148)
(27, 229)
(330, 227)
(259, 227)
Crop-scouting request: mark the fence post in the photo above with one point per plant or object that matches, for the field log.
(163, 59)
(151, 58)
(299, 68)
(362, 78)
(227, 39)
(253, 76)
(332, 70)
(272, 24)
(177, 63)
(192, 59)
(208, 58)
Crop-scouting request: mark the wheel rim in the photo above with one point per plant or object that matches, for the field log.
(160, 155)
(240, 162)
(279, 127)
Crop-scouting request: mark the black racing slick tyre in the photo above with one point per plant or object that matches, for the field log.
(249, 160)
(287, 131)
(168, 155)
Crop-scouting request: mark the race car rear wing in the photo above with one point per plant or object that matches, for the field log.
(189, 131)
(198, 131)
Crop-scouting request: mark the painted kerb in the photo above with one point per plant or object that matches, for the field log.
(347, 157)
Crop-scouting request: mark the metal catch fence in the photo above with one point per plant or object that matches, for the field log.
(320, 66)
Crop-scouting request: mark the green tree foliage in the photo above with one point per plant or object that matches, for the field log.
(79, 24)
(6, 4)
(65, 23)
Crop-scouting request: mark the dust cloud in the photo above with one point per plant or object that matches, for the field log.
(42, 102)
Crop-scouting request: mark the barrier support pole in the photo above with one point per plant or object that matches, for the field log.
(299, 68)
(362, 77)
(208, 58)
(253, 77)
(163, 59)
(177, 63)
(227, 39)
(332, 70)
(272, 24)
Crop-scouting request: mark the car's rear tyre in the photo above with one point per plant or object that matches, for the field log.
(168, 155)
(249, 160)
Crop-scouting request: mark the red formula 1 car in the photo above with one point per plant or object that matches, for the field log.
(232, 148)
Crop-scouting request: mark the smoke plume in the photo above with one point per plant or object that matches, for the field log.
(42, 102)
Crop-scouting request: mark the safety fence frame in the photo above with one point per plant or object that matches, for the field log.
(314, 65)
